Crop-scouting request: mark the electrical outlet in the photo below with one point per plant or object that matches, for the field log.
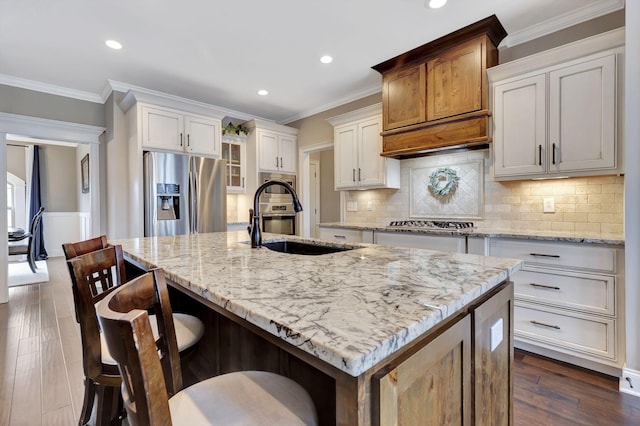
(496, 334)
(548, 205)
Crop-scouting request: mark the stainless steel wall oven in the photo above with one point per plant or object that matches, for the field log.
(276, 206)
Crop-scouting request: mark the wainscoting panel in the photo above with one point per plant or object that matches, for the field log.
(64, 227)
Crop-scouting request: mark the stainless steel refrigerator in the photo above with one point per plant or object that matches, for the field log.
(183, 194)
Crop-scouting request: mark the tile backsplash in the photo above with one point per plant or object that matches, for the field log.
(585, 204)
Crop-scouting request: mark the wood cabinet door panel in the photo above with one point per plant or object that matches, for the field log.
(454, 81)
(268, 155)
(582, 115)
(403, 95)
(519, 132)
(432, 387)
(162, 129)
(371, 169)
(202, 136)
(287, 151)
(346, 157)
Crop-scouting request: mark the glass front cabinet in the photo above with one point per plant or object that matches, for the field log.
(233, 151)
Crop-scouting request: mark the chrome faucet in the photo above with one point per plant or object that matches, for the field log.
(254, 214)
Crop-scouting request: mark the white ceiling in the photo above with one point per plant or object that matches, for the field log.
(221, 53)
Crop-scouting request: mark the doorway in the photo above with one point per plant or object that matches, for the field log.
(44, 129)
(314, 197)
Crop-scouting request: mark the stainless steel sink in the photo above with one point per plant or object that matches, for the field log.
(305, 248)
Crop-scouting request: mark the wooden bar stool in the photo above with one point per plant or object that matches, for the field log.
(152, 377)
(94, 273)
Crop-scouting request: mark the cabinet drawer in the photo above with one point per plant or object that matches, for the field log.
(572, 290)
(341, 234)
(569, 332)
(449, 243)
(595, 258)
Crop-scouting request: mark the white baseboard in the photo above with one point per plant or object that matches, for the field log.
(630, 382)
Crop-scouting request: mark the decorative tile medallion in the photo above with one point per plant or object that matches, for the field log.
(454, 191)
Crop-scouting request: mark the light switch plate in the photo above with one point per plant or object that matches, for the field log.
(548, 205)
(352, 206)
(496, 334)
(370, 205)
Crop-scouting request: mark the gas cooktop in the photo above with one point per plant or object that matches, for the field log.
(431, 224)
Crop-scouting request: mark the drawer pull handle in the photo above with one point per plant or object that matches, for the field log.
(344, 237)
(544, 325)
(551, 287)
(545, 255)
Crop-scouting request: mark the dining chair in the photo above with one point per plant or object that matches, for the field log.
(152, 386)
(93, 275)
(29, 248)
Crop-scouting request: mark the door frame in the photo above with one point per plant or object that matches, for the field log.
(304, 153)
(40, 128)
(316, 202)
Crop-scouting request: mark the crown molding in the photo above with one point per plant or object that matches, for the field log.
(356, 115)
(340, 102)
(169, 100)
(51, 89)
(563, 21)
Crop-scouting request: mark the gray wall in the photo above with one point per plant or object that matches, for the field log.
(15, 100)
(59, 183)
(329, 198)
(16, 161)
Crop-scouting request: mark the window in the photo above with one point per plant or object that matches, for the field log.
(11, 210)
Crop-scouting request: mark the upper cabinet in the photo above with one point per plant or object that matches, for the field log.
(560, 119)
(436, 96)
(174, 130)
(164, 124)
(276, 151)
(357, 148)
(234, 152)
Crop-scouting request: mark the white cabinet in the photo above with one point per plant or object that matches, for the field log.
(234, 152)
(357, 148)
(346, 235)
(567, 300)
(276, 152)
(559, 120)
(173, 130)
(448, 243)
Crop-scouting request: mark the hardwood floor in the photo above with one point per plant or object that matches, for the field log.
(41, 369)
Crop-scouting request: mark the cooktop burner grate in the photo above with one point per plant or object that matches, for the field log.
(431, 224)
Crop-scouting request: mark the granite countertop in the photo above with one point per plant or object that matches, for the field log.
(351, 309)
(560, 236)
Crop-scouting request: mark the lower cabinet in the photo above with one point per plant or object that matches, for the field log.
(345, 235)
(568, 301)
(449, 243)
(462, 376)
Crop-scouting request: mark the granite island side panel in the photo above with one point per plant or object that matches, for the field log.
(351, 309)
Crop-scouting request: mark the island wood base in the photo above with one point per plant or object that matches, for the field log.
(447, 376)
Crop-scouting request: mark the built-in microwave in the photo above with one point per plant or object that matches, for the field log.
(276, 193)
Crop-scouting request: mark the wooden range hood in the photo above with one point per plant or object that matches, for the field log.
(436, 95)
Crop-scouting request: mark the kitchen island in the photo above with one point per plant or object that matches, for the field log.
(349, 326)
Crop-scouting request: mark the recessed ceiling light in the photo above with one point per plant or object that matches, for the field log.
(435, 4)
(326, 59)
(262, 92)
(113, 44)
